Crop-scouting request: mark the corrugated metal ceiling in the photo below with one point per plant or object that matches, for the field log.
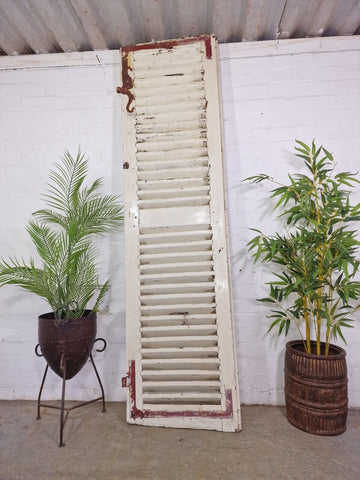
(48, 26)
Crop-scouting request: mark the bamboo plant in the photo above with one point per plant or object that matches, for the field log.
(316, 282)
(63, 234)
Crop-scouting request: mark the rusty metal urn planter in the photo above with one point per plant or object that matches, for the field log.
(316, 389)
(66, 348)
(72, 341)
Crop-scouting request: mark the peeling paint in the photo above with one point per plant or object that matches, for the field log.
(170, 44)
(146, 413)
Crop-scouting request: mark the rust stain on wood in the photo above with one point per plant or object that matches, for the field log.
(137, 413)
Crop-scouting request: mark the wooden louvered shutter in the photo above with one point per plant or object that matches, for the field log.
(180, 336)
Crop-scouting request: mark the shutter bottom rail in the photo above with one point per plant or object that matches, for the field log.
(135, 412)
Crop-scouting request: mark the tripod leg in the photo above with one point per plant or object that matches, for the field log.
(63, 367)
(40, 392)
(98, 377)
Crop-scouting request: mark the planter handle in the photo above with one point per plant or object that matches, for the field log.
(104, 344)
(37, 351)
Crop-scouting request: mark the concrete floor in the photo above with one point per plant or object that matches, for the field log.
(102, 446)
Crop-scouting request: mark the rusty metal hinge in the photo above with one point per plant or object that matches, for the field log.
(127, 81)
(125, 381)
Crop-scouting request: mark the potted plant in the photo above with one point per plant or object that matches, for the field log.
(315, 285)
(63, 235)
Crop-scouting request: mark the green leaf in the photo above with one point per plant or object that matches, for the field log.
(316, 153)
(281, 327)
(345, 324)
(328, 154)
(274, 323)
(305, 157)
(305, 147)
(266, 300)
(339, 332)
(257, 178)
(287, 326)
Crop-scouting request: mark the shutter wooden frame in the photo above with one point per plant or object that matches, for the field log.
(219, 411)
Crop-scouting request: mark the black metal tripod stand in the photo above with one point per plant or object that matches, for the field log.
(62, 407)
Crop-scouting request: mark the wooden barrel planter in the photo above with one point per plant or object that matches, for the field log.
(316, 389)
(72, 341)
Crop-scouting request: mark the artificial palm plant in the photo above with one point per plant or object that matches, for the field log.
(316, 283)
(63, 234)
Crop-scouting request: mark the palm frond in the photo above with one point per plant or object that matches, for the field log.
(67, 179)
(103, 292)
(62, 235)
(27, 277)
(46, 215)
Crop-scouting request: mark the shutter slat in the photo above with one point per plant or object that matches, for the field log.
(175, 257)
(172, 163)
(195, 357)
(168, 69)
(184, 267)
(180, 374)
(160, 320)
(170, 193)
(191, 233)
(177, 298)
(176, 154)
(178, 330)
(176, 126)
(177, 106)
(150, 100)
(170, 118)
(177, 247)
(171, 136)
(164, 60)
(172, 184)
(178, 288)
(171, 202)
(180, 364)
(165, 54)
(181, 386)
(182, 341)
(178, 308)
(159, 82)
(186, 397)
(179, 277)
(173, 229)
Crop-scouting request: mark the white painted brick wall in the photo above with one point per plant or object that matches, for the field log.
(273, 92)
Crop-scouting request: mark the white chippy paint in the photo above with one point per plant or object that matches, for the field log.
(273, 92)
(185, 326)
